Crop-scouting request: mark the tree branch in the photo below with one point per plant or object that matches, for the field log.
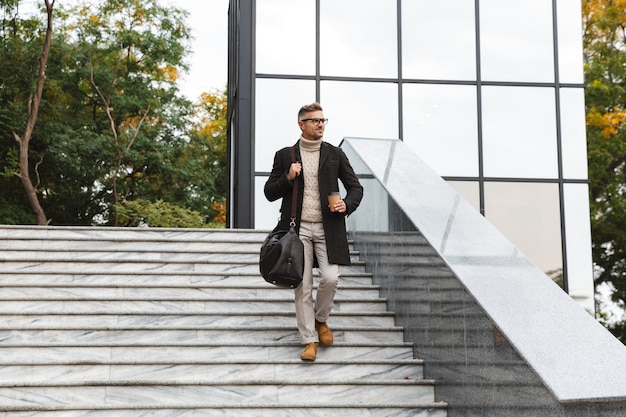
(32, 114)
(137, 129)
(38, 183)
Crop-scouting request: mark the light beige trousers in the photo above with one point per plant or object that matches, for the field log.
(307, 309)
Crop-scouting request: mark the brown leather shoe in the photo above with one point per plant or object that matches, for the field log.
(310, 352)
(324, 333)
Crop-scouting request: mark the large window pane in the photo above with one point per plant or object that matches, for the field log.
(277, 105)
(519, 132)
(578, 239)
(430, 49)
(529, 216)
(358, 38)
(573, 133)
(516, 40)
(266, 213)
(569, 21)
(285, 36)
(360, 109)
(440, 125)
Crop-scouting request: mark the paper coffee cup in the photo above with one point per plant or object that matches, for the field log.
(332, 199)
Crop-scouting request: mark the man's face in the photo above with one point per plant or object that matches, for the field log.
(312, 130)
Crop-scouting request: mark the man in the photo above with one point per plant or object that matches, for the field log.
(322, 231)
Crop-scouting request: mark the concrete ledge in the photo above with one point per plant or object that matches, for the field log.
(577, 359)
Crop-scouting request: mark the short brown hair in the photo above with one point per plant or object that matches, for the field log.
(308, 108)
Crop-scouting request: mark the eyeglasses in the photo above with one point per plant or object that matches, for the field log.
(316, 121)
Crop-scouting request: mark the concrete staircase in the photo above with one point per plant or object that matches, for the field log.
(170, 322)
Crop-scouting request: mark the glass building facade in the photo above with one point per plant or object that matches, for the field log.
(489, 93)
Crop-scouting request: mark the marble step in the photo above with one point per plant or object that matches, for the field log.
(225, 372)
(403, 252)
(153, 255)
(430, 309)
(28, 247)
(410, 260)
(234, 266)
(120, 234)
(182, 321)
(478, 333)
(127, 240)
(121, 322)
(194, 280)
(208, 306)
(248, 410)
(426, 273)
(179, 353)
(502, 372)
(20, 237)
(258, 393)
(473, 352)
(192, 337)
(166, 293)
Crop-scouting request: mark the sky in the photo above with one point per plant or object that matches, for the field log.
(208, 20)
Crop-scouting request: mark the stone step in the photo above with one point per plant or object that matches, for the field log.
(436, 272)
(187, 279)
(27, 248)
(225, 372)
(235, 266)
(473, 352)
(391, 238)
(258, 393)
(381, 319)
(114, 244)
(404, 252)
(121, 234)
(177, 353)
(250, 410)
(512, 372)
(166, 293)
(443, 309)
(202, 336)
(215, 254)
(170, 322)
(182, 321)
(206, 306)
(410, 261)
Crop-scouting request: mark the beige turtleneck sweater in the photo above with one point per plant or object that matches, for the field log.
(310, 154)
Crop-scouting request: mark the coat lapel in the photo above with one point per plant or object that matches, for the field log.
(297, 149)
(323, 155)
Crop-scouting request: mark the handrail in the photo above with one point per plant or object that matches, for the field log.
(576, 358)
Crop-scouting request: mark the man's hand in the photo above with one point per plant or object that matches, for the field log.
(294, 170)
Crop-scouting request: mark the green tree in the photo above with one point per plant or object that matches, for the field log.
(604, 39)
(128, 54)
(207, 150)
(113, 128)
(28, 100)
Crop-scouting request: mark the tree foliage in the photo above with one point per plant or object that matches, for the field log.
(604, 38)
(157, 214)
(113, 127)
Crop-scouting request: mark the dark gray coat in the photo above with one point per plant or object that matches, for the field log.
(334, 166)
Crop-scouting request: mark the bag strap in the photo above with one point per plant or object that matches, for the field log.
(294, 194)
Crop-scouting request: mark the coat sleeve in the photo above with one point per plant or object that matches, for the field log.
(354, 189)
(277, 185)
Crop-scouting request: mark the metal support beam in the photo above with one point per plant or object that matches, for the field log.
(241, 72)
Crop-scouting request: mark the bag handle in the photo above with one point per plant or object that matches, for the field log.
(294, 194)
